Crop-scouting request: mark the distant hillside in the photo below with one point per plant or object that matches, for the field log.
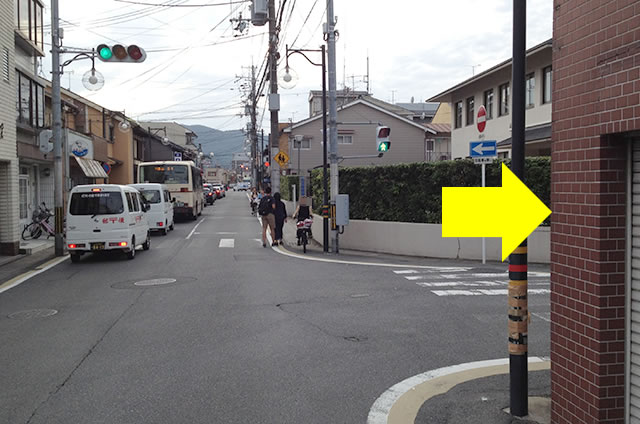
(223, 144)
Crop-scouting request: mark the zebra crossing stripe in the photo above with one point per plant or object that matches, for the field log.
(459, 283)
(431, 269)
(480, 292)
(227, 243)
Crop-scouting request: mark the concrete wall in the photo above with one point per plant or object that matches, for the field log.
(410, 239)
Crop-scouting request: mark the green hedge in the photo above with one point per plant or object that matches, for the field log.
(286, 189)
(413, 192)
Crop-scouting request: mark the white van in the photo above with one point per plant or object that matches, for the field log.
(160, 216)
(106, 217)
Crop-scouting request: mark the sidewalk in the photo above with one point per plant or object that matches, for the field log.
(32, 254)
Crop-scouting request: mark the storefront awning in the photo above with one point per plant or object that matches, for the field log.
(91, 168)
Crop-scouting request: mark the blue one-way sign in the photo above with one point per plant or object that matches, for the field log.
(480, 149)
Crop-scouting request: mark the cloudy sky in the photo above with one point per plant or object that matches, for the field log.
(197, 63)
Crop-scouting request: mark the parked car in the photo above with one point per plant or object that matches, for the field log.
(104, 217)
(209, 196)
(242, 186)
(160, 216)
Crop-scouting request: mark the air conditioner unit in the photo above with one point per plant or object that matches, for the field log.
(259, 12)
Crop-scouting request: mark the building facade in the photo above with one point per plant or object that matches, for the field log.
(595, 225)
(35, 167)
(408, 138)
(492, 89)
(9, 234)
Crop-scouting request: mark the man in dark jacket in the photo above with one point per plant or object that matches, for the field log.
(266, 209)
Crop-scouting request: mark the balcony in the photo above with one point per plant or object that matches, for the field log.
(436, 156)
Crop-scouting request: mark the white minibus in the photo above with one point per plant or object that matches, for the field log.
(160, 215)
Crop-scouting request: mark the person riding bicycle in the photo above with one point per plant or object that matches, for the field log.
(302, 213)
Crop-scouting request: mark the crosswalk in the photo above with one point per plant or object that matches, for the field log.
(223, 242)
(464, 281)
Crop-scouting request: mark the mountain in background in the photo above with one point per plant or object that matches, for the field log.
(223, 144)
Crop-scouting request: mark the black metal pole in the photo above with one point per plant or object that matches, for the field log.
(518, 303)
(325, 176)
(261, 167)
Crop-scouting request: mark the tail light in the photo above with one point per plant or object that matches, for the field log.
(184, 190)
(119, 244)
(159, 224)
(73, 246)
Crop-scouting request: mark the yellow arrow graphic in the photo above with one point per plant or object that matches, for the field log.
(511, 212)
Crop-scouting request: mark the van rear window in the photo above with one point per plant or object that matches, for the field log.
(151, 196)
(102, 203)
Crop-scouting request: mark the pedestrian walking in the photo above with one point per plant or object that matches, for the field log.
(281, 217)
(266, 209)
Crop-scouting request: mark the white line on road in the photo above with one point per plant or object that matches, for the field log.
(433, 269)
(27, 275)
(459, 283)
(480, 292)
(226, 233)
(226, 243)
(194, 228)
(545, 316)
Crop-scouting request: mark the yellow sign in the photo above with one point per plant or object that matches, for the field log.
(282, 158)
(511, 212)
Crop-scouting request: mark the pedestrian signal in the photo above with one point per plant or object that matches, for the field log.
(383, 143)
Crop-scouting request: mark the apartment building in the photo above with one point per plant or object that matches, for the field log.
(492, 89)
(9, 234)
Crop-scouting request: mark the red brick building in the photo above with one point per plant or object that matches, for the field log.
(595, 230)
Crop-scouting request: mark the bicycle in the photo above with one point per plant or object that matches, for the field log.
(40, 223)
(304, 231)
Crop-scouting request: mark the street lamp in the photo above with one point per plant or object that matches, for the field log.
(287, 81)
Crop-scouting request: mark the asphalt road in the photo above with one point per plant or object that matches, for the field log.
(244, 334)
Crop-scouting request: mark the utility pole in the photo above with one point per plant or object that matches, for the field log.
(333, 118)
(57, 129)
(274, 98)
(253, 134)
(518, 301)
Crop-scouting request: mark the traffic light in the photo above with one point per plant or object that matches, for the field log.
(120, 53)
(382, 139)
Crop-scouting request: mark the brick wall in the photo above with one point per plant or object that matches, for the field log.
(596, 98)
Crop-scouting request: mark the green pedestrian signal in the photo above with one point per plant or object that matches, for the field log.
(382, 139)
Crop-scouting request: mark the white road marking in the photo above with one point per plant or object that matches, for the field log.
(27, 275)
(406, 271)
(459, 283)
(194, 228)
(226, 232)
(432, 269)
(545, 316)
(227, 243)
(379, 413)
(479, 292)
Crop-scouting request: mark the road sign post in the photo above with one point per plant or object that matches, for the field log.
(483, 152)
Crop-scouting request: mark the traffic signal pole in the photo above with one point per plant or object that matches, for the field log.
(56, 126)
(274, 102)
(333, 116)
(518, 301)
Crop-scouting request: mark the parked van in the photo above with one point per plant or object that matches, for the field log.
(106, 217)
(160, 216)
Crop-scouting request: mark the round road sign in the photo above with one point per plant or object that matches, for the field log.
(482, 118)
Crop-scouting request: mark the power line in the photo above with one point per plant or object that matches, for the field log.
(181, 5)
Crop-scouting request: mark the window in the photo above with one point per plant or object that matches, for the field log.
(547, 77)
(470, 109)
(303, 145)
(134, 200)
(345, 139)
(430, 145)
(504, 100)
(530, 92)
(30, 101)
(129, 201)
(488, 103)
(29, 21)
(102, 203)
(458, 115)
(151, 196)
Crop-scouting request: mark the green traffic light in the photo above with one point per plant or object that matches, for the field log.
(105, 53)
(383, 147)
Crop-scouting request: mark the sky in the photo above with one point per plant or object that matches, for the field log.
(198, 66)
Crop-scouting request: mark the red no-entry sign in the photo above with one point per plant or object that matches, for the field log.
(482, 118)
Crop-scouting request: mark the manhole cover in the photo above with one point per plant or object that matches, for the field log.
(155, 282)
(33, 313)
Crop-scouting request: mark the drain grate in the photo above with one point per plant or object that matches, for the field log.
(155, 282)
(33, 313)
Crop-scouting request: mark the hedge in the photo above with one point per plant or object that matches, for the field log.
(413, 192)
